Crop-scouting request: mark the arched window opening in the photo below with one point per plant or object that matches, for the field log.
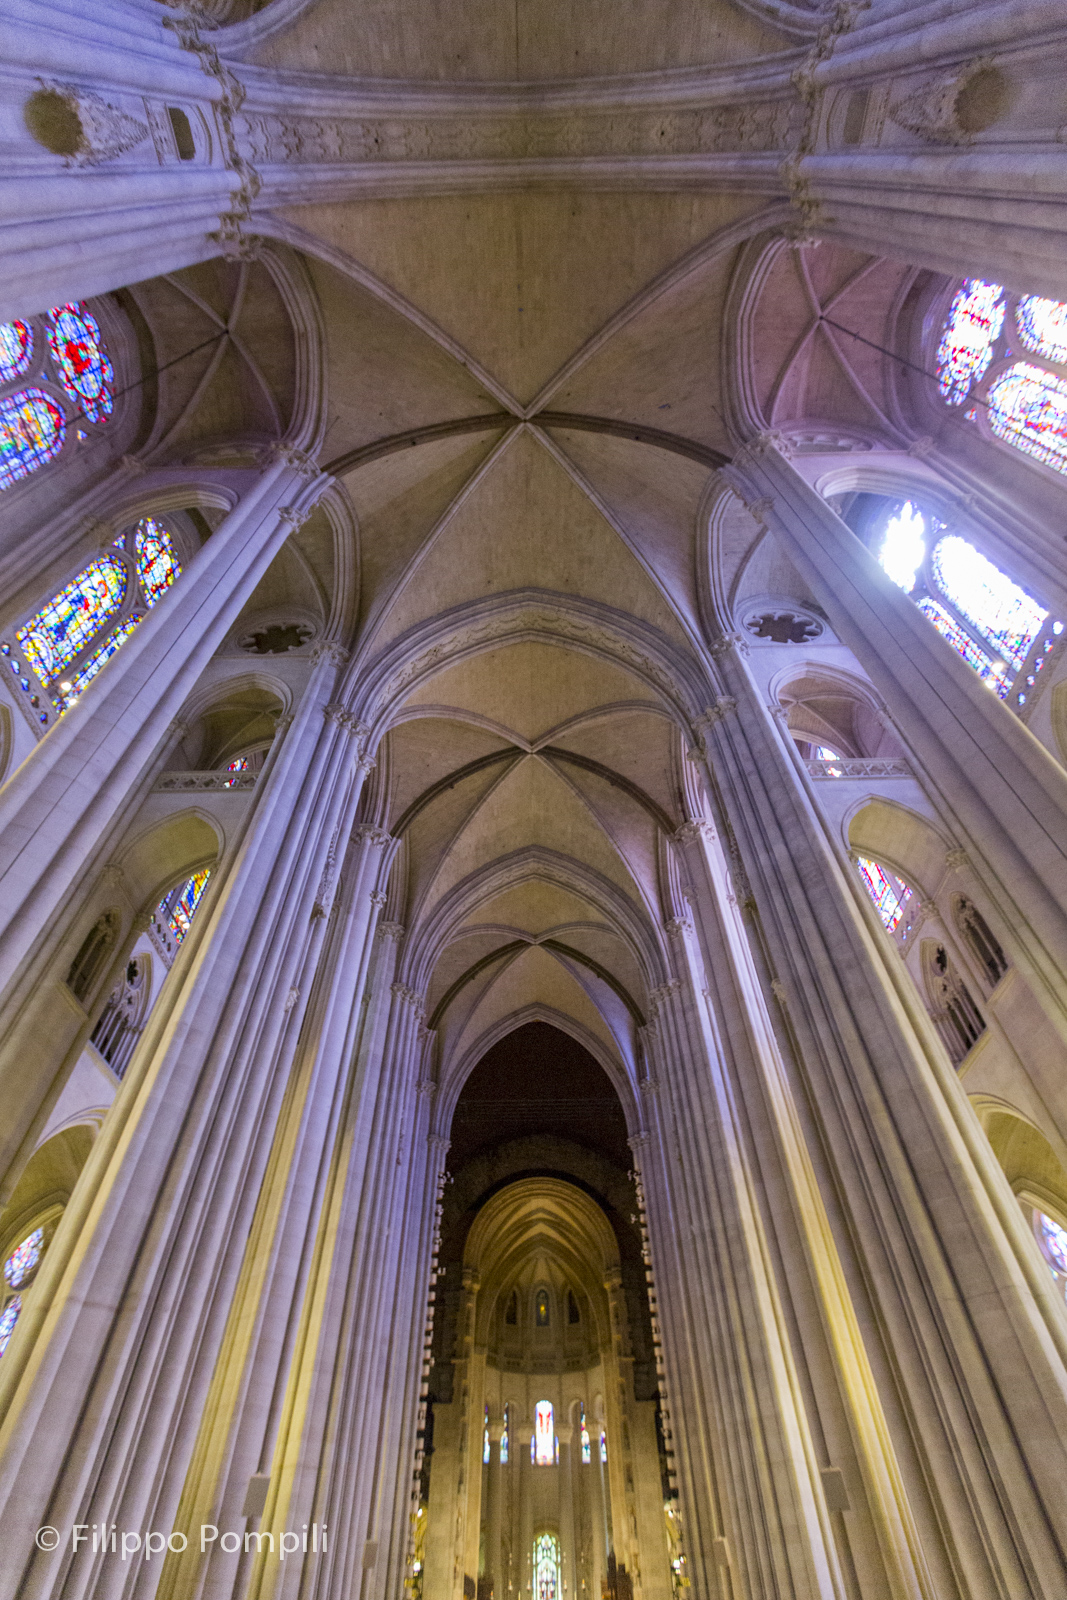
(541, 1309)
(485, 1436)
(546, 1567)
(511, 1315)
(20, 1269)
(981, 941)
(1052, 1242)
(889, 893)
(1022, 402)
(123, 1018)
(587, 1453)
(69, 638)
(573, 1314)
(603, 1446)
(92, 956)
(544, 1439)
(952, 1006)
(73, 382)
(504, 1437)
(1000, 630)
(173, 916)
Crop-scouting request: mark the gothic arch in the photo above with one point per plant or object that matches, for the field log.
(166, 853)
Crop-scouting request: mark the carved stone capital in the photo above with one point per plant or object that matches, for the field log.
(291, 999)
(299, 461)
(378, 897)
(954, 859)
(724, 706)
(331, 650)
(691, 830)
(367, 833)
(391, 930)
(678, 927)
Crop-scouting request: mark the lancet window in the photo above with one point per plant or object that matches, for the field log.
(504, 1437)
(55, 653)
(544, 1437)
(587, 1454)
(952, 1006)
(546, 1567)
(1052, 1242)
(981, 941)
(57, 387)
(485, 1437)
(1022, 401)
(123, 1018)
(889, 893)
(999, 629)
(20, 1269)
(178, 907)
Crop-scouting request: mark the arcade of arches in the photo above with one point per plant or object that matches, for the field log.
(533, 809)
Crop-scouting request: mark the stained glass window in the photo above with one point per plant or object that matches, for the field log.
(586, 1452)
(603, 1447)
(85, 370)
(824, 753)
(541, 1312)
(61, 630)
(178, 908)
(971, 329)
(31, 434)
(71, 688)
(903, 547)
(485, 1437)
(546, 1567)
(1043, 326)
(1053, 1241)
(998, 608)
(504, 1440)
(544, 1435)
(995, 673)
(16, 349)
(8, 1318)
(1028, 408)
(889, 893)
(157, 563)
(24, 1258)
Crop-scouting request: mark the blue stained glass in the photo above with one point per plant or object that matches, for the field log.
(16, 349)
(8, 1318)
(504, 1441)
(1043, 326)
(485, 1439)
(998, 608)
(994, 673)
(31, 433)
(157, 563)
(24, 1258)
(1028, 408)
(85, 370)
(971, 329)
(61, 629)
(73, 687)
(178, 908)
(1053, 1241)
(889, 893)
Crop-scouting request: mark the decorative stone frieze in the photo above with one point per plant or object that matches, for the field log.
(79, 126)
(213, 782)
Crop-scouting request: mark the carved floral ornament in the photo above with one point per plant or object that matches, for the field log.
(951, 107)
(79, 126)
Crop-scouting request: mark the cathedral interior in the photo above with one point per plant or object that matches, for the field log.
(533, 811)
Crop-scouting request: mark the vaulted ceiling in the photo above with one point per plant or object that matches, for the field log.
(525, 396)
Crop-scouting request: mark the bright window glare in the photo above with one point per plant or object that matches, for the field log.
(904, 546)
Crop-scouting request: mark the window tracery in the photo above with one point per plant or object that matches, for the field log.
(546, 1567)
(178, 907)
(123, 1017)
(999, 629)
(67, 640)
(20, 1269)
(1022, 402)
(981, 941)
(952, 1006)
(64, 354)
(1051, 1239)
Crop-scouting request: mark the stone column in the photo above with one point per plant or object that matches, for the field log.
(523, 1565)
(966, 1333)
(152, 1262)
(1001, 790)
(62, 812)
(494, 1517)
(598, 1527)
(565, 1482)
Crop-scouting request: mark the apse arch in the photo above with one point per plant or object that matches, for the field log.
(454, 1074)
(900, 838)
(166, 853)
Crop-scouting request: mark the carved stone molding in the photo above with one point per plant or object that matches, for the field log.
(367, 833)
(409, 996)
(79, 126)
(292, 456)
(678, 927)
(951, 107)
(378, 897)
(391, 930)
(213, 782)
(691, 830)
(331, 650)
(954, 859)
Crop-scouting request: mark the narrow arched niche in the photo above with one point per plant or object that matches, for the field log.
(542, 1301)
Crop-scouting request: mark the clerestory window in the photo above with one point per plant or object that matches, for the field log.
(57, 388)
